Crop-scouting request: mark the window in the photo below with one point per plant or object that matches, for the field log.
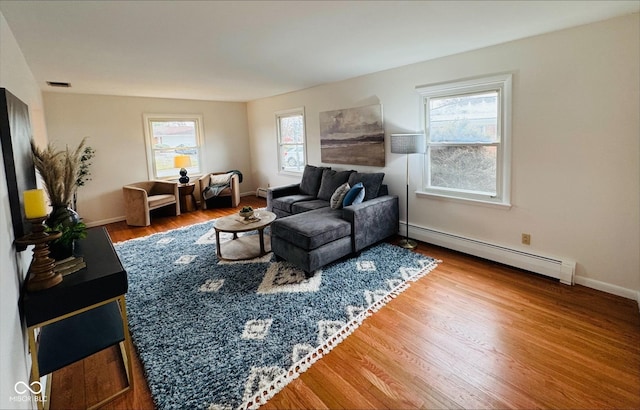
(291, 140)
(169, 136)
(467, 126)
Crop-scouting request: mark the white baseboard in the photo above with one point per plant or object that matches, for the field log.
(609, 288)
(105, 221)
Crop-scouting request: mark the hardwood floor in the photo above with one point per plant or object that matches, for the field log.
(471, 334)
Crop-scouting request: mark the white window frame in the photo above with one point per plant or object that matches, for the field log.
(290, 113)
(501, 83)
(148, 130)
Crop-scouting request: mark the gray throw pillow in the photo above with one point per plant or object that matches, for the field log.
(371, 182)
(331, 180)
(338, 196)
(311, 178)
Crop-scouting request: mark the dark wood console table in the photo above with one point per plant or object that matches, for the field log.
(82, 315)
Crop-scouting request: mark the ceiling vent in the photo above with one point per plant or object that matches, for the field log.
(58, 84)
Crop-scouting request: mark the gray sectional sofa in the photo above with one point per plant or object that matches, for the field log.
(311, 232)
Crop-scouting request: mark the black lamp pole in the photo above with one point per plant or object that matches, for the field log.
(406, 242)
(407, 144)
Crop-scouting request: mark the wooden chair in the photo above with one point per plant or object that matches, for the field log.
(229, 197)
(141, 198)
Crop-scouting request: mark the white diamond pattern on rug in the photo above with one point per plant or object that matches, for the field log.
(209, 238)
(256, 329)
(407, 273)
(261, 259)
(366, 266)
(394, 283)
(260, 378)
(211, 285)
(376, 295)
(185, 259)
(300, 351)
(165, 241)
(219, 407)
(326, 328)
(284, 277)
(354, 311)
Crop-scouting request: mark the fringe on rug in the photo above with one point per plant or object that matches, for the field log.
(305, 363)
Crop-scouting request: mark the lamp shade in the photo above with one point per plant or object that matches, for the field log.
(407, 143)
(181, 161)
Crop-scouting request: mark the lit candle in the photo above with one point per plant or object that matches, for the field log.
(34, 204)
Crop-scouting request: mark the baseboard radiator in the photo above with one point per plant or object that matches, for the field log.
(261, 192)
(562, 269)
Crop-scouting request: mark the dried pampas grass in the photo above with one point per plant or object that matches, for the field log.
(59, 171)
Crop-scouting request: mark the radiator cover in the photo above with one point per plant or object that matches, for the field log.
(561, 269)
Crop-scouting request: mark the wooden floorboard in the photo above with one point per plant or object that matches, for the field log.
(470, 334)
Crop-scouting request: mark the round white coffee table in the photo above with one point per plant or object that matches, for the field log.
(243, 247)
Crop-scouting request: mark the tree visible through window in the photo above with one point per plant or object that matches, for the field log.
(291, 140)
(467, 127)
(463, 132)
(168, 137)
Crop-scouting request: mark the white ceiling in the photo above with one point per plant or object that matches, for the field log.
(244, 50)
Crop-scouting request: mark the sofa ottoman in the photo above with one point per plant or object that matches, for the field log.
(311, 239)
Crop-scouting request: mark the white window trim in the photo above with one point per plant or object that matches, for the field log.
(502, 82)
(290, 113)
(148, 118)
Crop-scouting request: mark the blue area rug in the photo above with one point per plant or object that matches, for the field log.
(214, 334)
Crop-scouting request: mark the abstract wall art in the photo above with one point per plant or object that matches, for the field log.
(353, 136)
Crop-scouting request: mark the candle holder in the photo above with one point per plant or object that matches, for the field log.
(41, 273)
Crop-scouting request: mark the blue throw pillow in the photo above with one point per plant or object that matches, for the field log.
(354, 196)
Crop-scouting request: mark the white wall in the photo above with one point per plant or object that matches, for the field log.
(575, 147)
(115, 129)
(16, 77)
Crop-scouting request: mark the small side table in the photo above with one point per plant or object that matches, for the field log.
(187, 199)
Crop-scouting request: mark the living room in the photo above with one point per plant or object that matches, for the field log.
(576, 192)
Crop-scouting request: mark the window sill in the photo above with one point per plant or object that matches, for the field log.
(290, 173)
(192, 178)
(468, 201)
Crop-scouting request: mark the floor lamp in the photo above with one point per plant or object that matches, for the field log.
(407, 144)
